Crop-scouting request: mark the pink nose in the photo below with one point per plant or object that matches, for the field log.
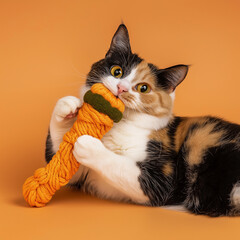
(121, 89)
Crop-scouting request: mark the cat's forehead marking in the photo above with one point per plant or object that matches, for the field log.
(132, 75)
(143, 73)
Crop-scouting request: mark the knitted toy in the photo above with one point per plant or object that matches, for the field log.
(100, 109)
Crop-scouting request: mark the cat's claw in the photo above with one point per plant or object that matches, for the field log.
(67, 108)
(72, 114)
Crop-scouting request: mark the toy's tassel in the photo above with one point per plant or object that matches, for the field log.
(100, 109)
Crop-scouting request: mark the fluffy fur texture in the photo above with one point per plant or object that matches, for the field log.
(152, 157)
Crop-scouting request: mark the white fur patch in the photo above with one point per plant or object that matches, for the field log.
(172, 95)
(117, 171)
(128, 139)
(132, 75)
(83, 90)
(179, 208)
(143, 120)
(235, 195)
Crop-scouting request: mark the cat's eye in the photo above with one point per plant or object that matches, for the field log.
(116, 71)
(143, 88)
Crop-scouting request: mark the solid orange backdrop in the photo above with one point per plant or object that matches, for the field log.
(46, 50)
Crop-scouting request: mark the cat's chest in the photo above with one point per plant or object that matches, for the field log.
(127, 139)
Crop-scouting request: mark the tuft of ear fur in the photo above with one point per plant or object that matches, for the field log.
(170, 78)
(120, 41)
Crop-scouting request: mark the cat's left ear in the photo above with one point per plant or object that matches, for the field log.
(170, 78)
(120, 41)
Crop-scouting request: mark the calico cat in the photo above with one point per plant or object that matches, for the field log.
(152, 157)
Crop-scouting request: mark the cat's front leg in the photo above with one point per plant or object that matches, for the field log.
(63, 117)
(120, 172)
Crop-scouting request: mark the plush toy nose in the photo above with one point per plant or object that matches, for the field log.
(121, 89)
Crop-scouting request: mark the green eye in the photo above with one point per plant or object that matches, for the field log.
(116, 71)
(143, 88)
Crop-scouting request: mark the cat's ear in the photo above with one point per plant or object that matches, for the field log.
(120, 41)
(170, 78)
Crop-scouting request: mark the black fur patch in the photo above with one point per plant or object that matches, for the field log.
(102, 68)
(119, 54)
(172, 127)
(154, 183)
(81, 183)
(162, 189)
(214, 181)
(49, 148)
(204, 188)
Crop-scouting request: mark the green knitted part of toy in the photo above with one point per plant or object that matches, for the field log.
(99, 103)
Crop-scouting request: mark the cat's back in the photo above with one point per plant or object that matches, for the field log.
(200, 132)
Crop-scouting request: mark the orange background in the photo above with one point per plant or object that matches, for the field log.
(46, 49)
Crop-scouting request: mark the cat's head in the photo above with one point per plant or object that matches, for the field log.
(142, 86)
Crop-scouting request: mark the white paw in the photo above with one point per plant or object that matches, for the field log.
(87, 150)
(67, 108)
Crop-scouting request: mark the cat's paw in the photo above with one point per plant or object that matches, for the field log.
(87, 150)
(66, 108)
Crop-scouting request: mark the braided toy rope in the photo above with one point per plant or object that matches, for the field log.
(95, 118)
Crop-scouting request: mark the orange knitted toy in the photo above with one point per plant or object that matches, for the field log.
(100, 109)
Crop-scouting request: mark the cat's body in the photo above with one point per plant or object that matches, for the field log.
(152, 157)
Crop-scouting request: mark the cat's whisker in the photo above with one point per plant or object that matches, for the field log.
(84, 76)
(77, 71)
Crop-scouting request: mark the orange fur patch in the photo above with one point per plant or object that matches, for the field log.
(161, 135)
(183, 128)
(157, 102)
(199, 141)
(167, 169)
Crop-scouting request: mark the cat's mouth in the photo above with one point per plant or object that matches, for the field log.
(124, 96)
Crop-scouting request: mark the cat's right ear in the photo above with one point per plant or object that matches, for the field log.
(170, 78)
(120, 41)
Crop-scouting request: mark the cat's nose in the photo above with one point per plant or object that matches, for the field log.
(121, 89)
